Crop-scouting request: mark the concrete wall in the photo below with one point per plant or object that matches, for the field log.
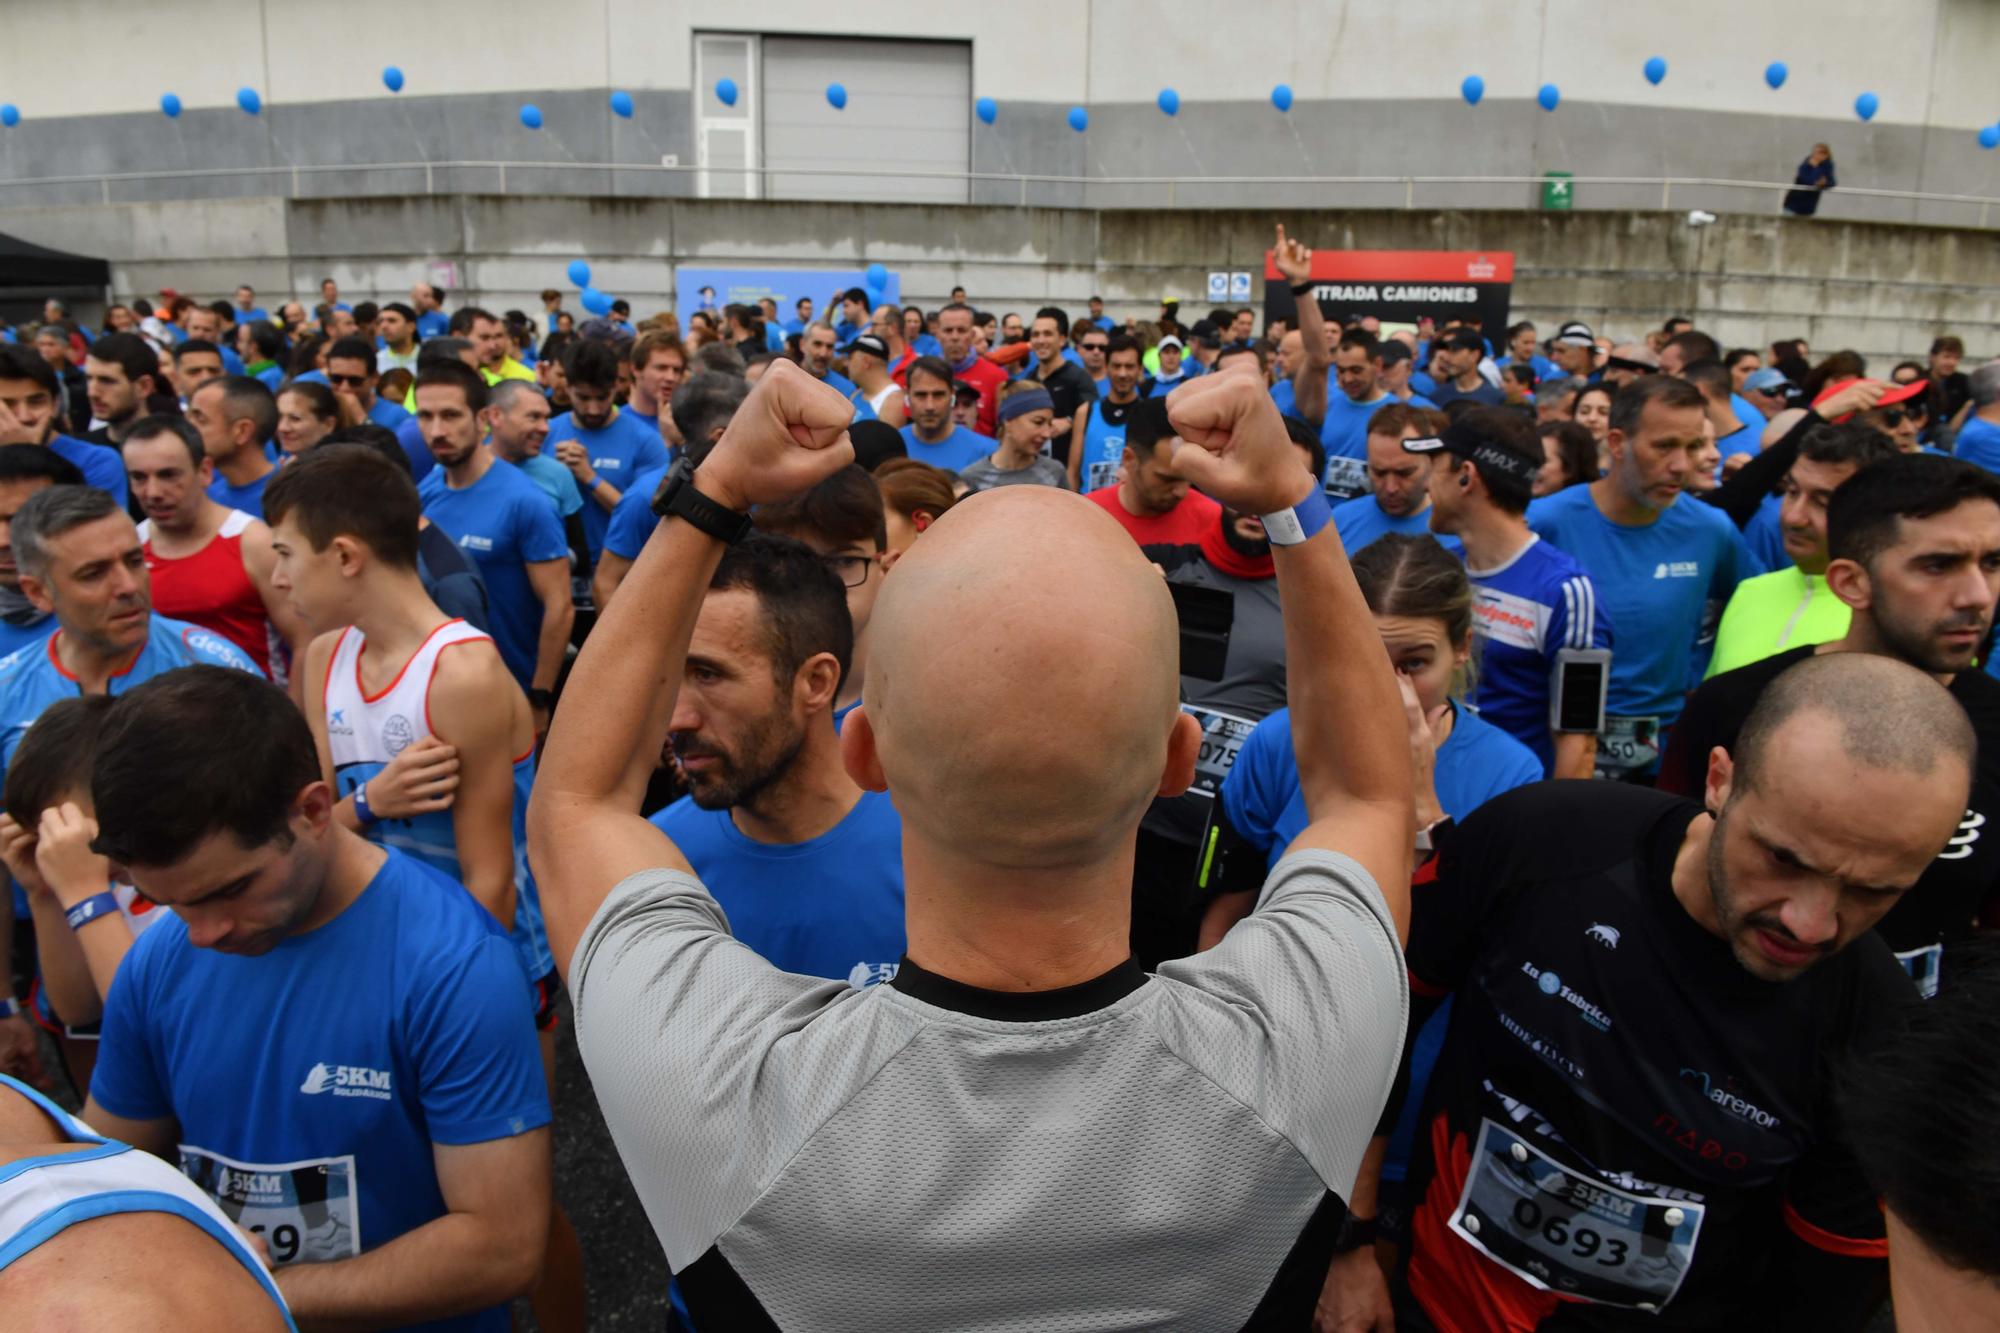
(1376, 89)
(1884, 290)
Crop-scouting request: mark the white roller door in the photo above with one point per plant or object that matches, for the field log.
(909, 107)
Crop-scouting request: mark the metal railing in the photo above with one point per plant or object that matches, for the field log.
(447, 177)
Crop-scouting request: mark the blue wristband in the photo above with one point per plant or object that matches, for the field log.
(361, 810)
(1302, 522)
(91, 908)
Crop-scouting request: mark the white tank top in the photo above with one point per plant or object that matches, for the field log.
(875, 403)
(42, 1196)
(365, 730)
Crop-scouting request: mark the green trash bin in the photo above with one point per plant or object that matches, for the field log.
(1557, 191)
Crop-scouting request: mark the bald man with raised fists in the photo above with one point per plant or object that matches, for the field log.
(1021, 1129)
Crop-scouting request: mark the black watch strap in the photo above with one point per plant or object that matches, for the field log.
(1356, 1233)
(680, 499)
(1300, 289)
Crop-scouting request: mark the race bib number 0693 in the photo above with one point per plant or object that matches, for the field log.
(1570, 1233)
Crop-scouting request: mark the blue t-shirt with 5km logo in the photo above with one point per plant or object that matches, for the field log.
(310, 1083)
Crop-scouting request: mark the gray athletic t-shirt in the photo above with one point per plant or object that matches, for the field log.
(1043, 471)
(1162, 1152)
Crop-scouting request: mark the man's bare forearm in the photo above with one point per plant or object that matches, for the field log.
(448, 1267)
(1347, 714)
(1575, 754)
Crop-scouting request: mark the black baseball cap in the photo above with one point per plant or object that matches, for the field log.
(1394, 351)
(961, 390)
(868, 343)
(1483, 438)
(1206, 333)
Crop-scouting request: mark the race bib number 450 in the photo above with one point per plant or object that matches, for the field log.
(305, 1211)
(1570, 1233)
(1628, 745)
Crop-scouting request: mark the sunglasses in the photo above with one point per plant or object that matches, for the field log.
(350, 381)
(1896, 416)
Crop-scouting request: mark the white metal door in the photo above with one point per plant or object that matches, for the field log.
(725, 136)
(909, 108)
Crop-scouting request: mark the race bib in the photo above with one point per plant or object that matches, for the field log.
(1222, 738)
(1628, 745)
(1099, 475)
(1346, 478)
(303, 1210)
(1923, 965)
(1571, 1234)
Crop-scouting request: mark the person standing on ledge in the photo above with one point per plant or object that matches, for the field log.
(1815, 175)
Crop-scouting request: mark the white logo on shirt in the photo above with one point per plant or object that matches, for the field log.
(201, 641)
(1962, 842)
(1678, 569)
(863, 975)
(348, 1081)
(608, 464)
(473, 542)
(1603, 934)
(397, 734)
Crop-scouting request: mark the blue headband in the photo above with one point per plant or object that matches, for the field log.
(1031, 401)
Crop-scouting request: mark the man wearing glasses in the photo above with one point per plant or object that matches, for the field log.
(351, 373)
(1092, 346)
(842, 521)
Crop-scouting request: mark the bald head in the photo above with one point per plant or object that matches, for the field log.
(1023, 681)
(1885, 714)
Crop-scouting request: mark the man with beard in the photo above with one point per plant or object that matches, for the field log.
(934, 436)
(1630, 1115)
(1914, 547)
(807, 865)
(505, 523)
(602, 445)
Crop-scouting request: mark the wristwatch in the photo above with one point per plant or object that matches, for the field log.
(1356, 1233)
(679, 498)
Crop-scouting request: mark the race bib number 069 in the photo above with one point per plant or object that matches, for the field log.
(1570, 1233)
(305, 1211)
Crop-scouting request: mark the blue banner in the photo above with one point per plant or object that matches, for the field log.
(712, 288)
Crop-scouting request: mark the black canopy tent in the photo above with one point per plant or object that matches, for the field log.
(30, 274)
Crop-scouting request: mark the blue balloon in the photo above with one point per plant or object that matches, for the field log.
(170, 106)
(621, 104)
(878, 276)
(247, 99)
(392, 79)
(1656, 69)
(579, 272)
(596, 302)
(1989, 136)
(1170, 101)
(531, 115)
(10, 115)
(836, 96)
(1079, 119)
(1550, 97)
(725, 91)
(1281, 97)
(988, 109)
(1775, 72)
(1472, 89)
(1866, 105)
